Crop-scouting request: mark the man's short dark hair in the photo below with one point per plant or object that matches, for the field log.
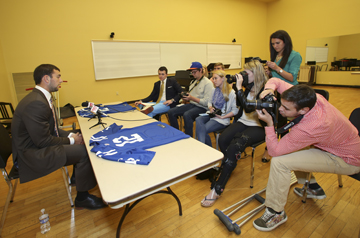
(163, 68)
(301, 95)
(42, 70)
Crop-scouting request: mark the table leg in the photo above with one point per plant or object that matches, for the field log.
(128, 207)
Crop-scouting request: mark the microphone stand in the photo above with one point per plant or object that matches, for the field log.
(98, 115)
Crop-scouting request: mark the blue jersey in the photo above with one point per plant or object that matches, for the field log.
(128, 145)
(121, 107)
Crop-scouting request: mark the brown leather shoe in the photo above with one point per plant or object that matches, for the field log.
(148, 110)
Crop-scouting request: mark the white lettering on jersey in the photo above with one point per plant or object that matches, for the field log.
(131, 161)
(123, 140)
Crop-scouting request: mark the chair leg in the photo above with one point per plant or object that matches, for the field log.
(8, 199)
(340, 181)
(306, 185)
(252, 168)
(217, 135)
(67, 182)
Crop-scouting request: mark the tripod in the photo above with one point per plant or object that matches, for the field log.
(98, 115)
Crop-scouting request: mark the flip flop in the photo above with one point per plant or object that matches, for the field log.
(212, 201)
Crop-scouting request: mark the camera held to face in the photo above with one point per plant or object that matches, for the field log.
(232, 78)
(268, 103)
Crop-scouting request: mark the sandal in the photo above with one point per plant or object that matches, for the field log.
(266, 157)
(208, 202)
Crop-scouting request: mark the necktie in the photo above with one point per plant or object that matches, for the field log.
(54, 116)
(161, 91)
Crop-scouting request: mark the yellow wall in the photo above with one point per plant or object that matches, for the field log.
(333, 45)
(338, 78)
(5, 94)
(308, 19)
(60, 32)
(349, 47)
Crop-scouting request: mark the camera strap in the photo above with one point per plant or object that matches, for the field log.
(290, 124)
(197, 82)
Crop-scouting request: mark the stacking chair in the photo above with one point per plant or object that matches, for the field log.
(355, 120)
(5, 152)
(7, 112)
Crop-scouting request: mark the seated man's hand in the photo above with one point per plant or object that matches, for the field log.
(265, 116)
(138, 102)
(188, 97)
(168, 102)
(79, 140)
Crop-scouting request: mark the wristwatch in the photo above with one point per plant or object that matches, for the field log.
(173, 100)
(280, 71)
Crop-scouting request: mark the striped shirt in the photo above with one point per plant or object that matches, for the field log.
(323, 126)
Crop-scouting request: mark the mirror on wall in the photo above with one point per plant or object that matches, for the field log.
(338, 47)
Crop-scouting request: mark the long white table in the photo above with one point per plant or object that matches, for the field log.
(121, 183)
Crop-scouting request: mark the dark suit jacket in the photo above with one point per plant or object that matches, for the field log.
(36, 147)
(173, 89)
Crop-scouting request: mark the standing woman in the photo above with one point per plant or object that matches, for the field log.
(246, 131)
(222, 98)
(285, 62)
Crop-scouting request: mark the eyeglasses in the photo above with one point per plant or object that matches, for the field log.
(194, 71)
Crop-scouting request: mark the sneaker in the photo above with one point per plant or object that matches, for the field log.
(311, 193)
(270, 220)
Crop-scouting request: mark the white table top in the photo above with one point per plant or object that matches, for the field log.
(122, 183)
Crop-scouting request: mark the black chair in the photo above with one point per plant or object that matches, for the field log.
(322, 92)
(355, 120)
(7, 112)
(5, 152)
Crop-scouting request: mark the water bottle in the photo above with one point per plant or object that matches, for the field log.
(44, 222)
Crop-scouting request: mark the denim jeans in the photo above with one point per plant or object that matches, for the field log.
(158, 109)
(204, 126)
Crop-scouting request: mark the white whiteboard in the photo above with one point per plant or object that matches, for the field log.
(318, 54)
(178, 56)
(120, 59)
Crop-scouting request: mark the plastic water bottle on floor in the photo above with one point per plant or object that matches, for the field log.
(44, 222)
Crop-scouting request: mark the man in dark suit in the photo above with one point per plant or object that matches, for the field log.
(40, 147)
(165, 98)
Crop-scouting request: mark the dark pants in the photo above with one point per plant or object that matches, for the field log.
(189, 112)
(233, 142)
(84, 175)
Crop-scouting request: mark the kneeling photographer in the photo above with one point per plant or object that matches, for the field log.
(246, 129)
(221, 107)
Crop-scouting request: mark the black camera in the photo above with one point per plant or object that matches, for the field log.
(215, 112)
(232, 78)
(184, 94)
(267, 102)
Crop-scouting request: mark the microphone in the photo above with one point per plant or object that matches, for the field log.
(89, 104)
(95, 109)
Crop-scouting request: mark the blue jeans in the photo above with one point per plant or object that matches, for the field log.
(204, 126)
(158, 109)
(189, 112)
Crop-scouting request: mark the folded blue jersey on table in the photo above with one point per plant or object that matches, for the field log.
(107, 109)
(128, 145)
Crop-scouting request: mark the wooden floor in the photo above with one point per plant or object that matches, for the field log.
(157, 216)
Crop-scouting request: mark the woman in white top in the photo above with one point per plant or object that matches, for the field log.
(246, 130)
(221, 107)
